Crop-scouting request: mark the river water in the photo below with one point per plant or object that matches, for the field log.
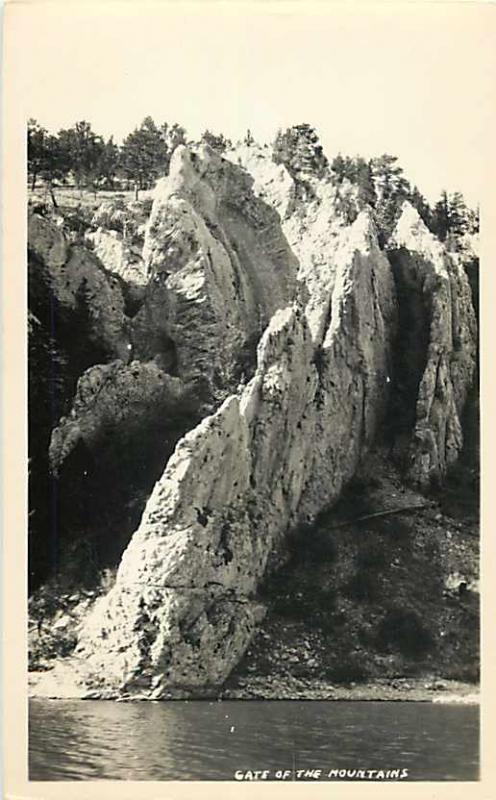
(202, 740)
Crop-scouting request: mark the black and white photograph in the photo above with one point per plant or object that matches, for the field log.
(252, 334)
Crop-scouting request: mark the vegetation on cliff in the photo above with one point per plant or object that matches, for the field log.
(80, 155)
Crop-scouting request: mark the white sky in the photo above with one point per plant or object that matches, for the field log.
(416, 80)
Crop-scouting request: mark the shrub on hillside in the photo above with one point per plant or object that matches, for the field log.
(403, 630)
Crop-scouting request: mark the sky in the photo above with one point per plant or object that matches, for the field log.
(413, 80)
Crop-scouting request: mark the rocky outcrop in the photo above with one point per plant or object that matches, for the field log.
(439, 347)
(78, 319)
(218, 255)
(119, 256)
(115, 400)
(78, 283)
(117, 238)
(176, 330)
(270, 458)
(311, 225)
(108, 452)
(102, 423)
(435, 354)
(271, 182)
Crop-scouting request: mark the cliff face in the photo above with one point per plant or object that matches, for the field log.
(223, 263)
(226, 256)
(269, 458)
(73, 276)
(438, 313)
(173, 330)
(435, 351)
(116, 236)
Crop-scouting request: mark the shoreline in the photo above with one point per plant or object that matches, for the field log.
(426, 690)
(435, 690)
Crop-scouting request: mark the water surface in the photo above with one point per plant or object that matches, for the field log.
(202, 740)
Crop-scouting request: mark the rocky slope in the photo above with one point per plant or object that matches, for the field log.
(374, 604)
(222, 251)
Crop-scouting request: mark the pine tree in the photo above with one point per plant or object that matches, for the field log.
(441, 216)
(145, 154)
(419, 202)
(217, 142)
(299, 149)
(338, 169)
(83, 151)
(37, 150)
(47, 158)
(365, 182)
(248, 140)
(109, 162)
(392, 189)
(452, 218)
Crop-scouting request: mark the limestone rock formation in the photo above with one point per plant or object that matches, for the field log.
(77, 282)
(219, 256)
(233, 248)
(439, 343)
(176, 329)
(118, 256)
(267, 459)
(437, 320)
(311, 224)
(114, 399)
(117, 238)
(107, 453)
(272, 182)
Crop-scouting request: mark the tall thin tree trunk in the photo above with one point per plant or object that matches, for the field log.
(33, 181)
(50, 189)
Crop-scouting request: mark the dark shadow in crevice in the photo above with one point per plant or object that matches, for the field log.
(410, 346)
(98, 500)
(60, 349)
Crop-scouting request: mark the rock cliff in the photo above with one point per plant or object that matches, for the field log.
(223, 263)
(174, 329)
(436, 350)
(270, 458)
(436, 358)
(76, 280)
(301, 342)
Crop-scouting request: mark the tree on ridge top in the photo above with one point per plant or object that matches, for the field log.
(299, 149)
